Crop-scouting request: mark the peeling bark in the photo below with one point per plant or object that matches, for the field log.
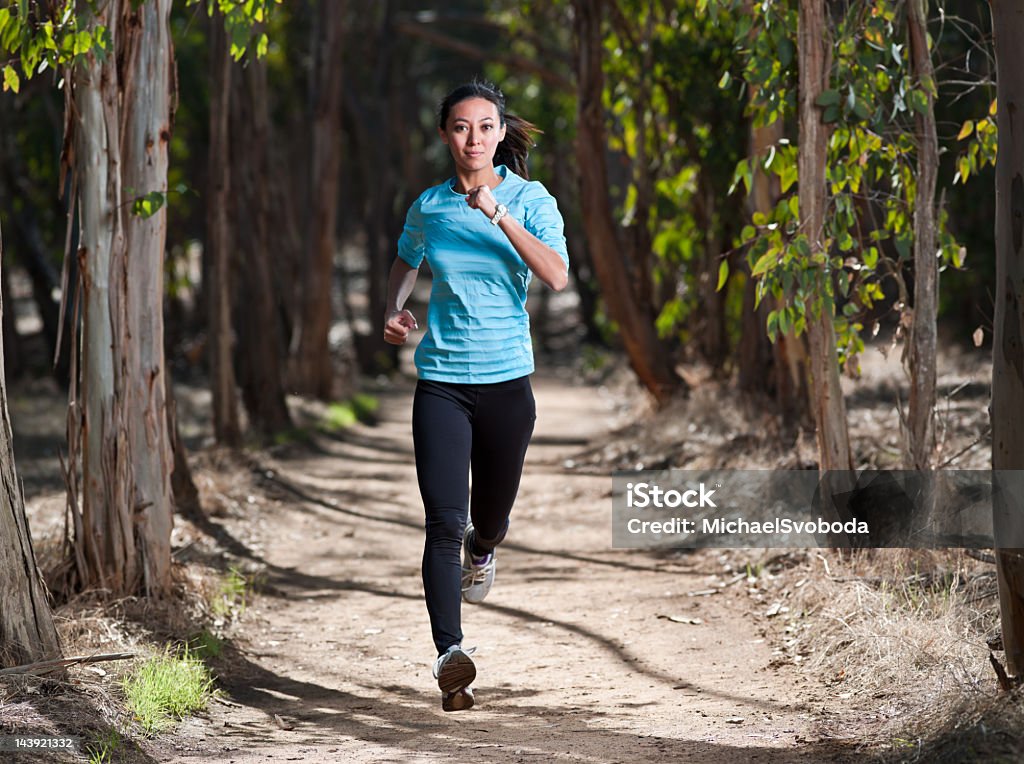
(826, 394)
(120, 126)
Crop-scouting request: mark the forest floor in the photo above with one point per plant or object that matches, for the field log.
(584, 653)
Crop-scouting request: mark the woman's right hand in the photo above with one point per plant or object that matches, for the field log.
(398, 326)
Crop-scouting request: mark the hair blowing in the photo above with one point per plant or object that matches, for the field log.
(514, 149)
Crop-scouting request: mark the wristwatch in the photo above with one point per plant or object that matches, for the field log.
(499, 212)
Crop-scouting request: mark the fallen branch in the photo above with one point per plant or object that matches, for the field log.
(977, 554)
(43, 667)
(1007, 683)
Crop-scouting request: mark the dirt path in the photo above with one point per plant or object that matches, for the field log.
(574, 663)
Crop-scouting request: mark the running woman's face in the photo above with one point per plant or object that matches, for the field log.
(473, 133)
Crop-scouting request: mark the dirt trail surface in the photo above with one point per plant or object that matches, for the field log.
(574, 662)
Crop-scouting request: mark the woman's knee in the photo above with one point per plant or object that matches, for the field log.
(446, 523)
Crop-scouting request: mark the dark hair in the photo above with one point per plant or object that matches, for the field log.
(514, 149)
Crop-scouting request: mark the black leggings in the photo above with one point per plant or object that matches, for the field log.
(455, 427)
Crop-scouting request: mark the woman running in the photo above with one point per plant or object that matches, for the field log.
(484, 232)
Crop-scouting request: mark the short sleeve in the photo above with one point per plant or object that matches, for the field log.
(410, 243)
(543, 219)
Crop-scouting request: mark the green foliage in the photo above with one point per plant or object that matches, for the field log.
(871, 102)
(166, 687)
(980, 151)
(678, 136)
(37, 36)
(243, 21)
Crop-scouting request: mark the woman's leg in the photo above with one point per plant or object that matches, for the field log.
(502, 427)
(442, 438)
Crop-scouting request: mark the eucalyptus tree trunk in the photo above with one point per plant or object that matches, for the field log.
(1007, 409)
(120, 118)
(826, 394)
(920, 427)
(313, 368)
(649, 358)
(27, 633)
(218, 243)
(260, 356)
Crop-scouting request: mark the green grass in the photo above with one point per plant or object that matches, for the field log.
(167, 687)
(232, 595)
(343, 414)
(105, 747)
(206, 645)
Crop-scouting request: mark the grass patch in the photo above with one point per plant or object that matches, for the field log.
(167, 687)
(232, 596)
(206, 645)
(341, 415)
(105, 748)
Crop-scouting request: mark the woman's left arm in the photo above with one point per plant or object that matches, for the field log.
(544, 261)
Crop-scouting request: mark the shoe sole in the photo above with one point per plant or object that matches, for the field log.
(458, 673)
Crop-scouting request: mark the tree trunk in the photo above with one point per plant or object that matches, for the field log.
(218, 243)
(13, 364)
(314, 370)
(27, 633)
(122, 538)
(920, 427)
(827, 395)
(1007, 411)
(260, 354)
(647, 355)
(149, 56)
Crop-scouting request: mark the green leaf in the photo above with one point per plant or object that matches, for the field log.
(723, 275)
(919, 101)
(828, 98)
(786, 51)
(723, 83)
(966, 130)
(148, 205)
(11, 79)
(831, 114)
(766, 262)
(773, 324)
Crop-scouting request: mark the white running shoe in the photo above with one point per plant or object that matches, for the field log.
(477, 572)
(455, 671)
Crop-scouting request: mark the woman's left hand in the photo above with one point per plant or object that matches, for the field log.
(481, 198)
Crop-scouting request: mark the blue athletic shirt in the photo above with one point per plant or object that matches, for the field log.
(478, 330)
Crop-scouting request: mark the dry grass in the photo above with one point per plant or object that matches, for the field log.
(899, 636)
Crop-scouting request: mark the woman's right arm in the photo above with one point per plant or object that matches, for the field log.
(398, 322)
